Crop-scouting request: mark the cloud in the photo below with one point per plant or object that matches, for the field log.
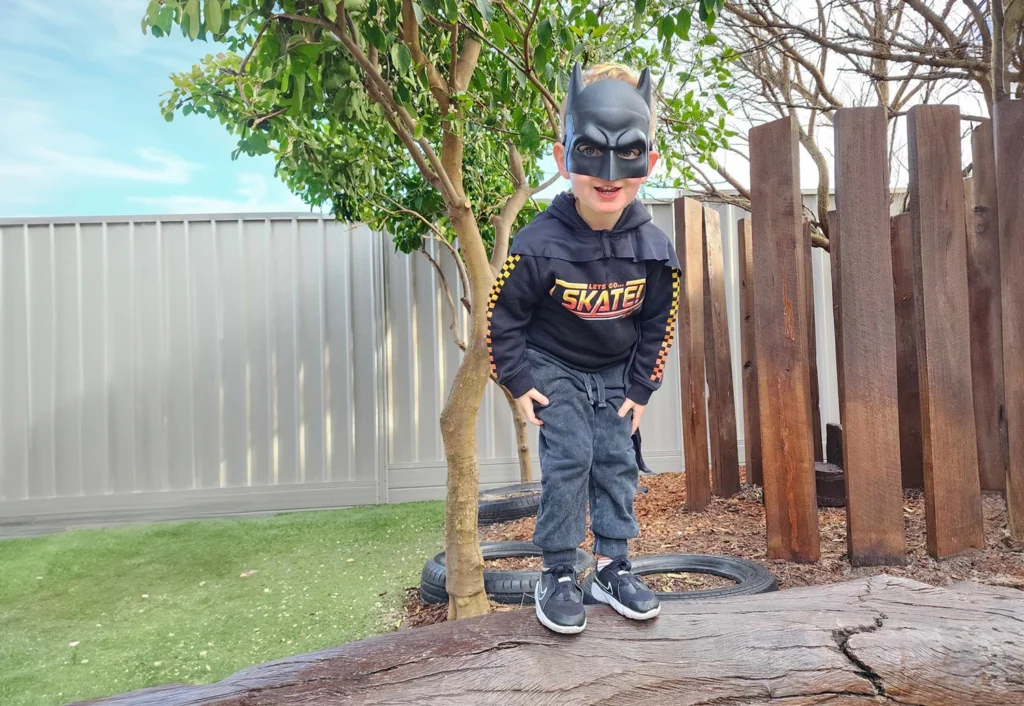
(255, 194)
(41, 157)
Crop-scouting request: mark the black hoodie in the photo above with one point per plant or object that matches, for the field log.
(590, 298)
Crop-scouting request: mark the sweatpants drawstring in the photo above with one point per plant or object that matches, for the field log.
(602, 399)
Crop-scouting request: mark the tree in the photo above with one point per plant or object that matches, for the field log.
(427, 118)
(812, 59)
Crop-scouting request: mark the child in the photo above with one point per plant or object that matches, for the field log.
(581, 321)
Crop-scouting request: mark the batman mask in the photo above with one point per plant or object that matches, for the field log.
(607, 123)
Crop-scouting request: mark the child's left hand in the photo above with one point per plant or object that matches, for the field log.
(638, 411)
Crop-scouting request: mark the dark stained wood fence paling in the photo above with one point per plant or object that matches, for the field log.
(871, 439)
(911, 449)
(986, 310)
(983, 272)
(689, 229)
(837, 318)
(751, 411)
(780, 324)
(812, 347)
(725, 470)
(952, 487)
(1009, 149)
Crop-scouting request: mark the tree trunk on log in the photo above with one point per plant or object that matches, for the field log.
(464, 576)
(879, 640)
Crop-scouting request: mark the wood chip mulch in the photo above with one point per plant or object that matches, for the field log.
(736, 527)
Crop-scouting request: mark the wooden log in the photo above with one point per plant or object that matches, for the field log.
(911, 443)
(689, 232)
(877, 640)
(986, 311)
(870, 414)
(1009, 149)
(725, 466)
(939, 251)
(812, 346)
(780, 323)
(751, 407)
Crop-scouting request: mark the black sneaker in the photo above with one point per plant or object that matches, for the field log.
(624, 592)
(559, 600)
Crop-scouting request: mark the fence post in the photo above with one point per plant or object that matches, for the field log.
(725, 470)
(871, 450)
(911, 461)
(689, 234)
(1008, 125)
(939, 244)
(780, 323)
(751, 408)
(982, 212)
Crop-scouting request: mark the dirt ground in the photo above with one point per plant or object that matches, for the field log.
(736, 527)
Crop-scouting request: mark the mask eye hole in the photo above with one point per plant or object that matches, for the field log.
(588, 150)
(630, 154)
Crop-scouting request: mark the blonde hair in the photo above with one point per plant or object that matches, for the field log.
(611, 69)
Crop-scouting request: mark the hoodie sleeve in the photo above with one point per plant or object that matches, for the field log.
(657, 328)
(517, 291)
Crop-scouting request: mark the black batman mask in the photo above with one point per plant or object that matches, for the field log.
(604, 123)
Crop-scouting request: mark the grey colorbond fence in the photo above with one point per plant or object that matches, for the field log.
(174, 367)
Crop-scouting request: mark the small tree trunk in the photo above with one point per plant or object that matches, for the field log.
(464, 562)
(522, 441)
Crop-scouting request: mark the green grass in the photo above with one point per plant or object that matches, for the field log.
(166, 603)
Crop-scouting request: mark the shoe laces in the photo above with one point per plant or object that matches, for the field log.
(564, 589)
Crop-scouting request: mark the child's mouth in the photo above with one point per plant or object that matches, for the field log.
(607, 193)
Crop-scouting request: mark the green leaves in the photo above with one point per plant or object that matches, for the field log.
(192, 15)
(302, 97)
(214, 15)
(530, 136)
(402, 57)
(544, 33)
(485, 9)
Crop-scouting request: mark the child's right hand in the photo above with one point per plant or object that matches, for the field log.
(526, 404)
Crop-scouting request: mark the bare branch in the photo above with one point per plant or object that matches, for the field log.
(460, 340)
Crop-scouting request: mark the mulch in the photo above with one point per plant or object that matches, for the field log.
(736, 527)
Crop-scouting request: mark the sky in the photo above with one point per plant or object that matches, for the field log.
(83, 133)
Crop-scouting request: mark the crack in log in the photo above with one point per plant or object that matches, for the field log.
(842, 638)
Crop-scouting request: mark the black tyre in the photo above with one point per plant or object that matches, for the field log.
(750, 577)
(510, 502)
(515, 587)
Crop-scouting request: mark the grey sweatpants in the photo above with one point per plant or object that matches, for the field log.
(586, 451)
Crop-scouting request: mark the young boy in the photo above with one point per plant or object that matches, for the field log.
(581, 318)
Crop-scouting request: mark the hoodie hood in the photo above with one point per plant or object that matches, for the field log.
(563, 207)
(560, 232)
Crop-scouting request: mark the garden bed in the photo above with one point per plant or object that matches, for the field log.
(736, 527)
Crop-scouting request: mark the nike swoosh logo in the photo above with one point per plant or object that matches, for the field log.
(543, 592)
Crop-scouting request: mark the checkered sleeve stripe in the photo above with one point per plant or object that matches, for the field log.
(503, 275)
(670, 331)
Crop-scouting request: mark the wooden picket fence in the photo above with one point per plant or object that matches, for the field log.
(929, 322)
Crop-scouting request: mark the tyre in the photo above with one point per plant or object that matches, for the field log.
(750, 577)
(515, 587)
(510, 502)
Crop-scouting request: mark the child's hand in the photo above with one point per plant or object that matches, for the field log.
(526, 404)
(638, 411)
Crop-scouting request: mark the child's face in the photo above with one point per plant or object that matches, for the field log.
(599, 196)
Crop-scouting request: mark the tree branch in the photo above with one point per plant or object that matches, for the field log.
(410, 30)
(456, 329)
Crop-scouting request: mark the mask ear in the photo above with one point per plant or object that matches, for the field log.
(643, 85)
(575, 86)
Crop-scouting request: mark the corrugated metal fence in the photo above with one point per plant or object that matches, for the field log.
(169, 367)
